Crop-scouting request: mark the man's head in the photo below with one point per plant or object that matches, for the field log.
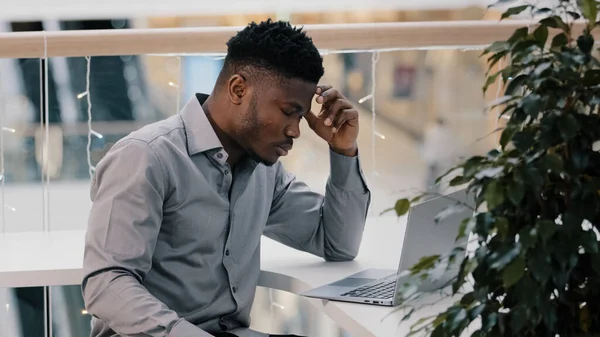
(268, 80)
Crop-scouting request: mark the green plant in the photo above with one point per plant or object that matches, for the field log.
(536, 268)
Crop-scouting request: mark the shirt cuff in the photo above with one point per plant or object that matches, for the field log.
(345, 172)
(184, 328)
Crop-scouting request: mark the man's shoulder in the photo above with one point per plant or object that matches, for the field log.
(153, 135)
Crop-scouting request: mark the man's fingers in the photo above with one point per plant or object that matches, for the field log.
(323, 87)
(311, 119)
(335, 109)
(347, 115)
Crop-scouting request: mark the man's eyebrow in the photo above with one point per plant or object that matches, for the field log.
(297, 107)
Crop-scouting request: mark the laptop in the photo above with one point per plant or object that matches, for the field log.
(423, 237)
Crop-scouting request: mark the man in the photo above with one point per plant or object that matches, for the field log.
(179, 206)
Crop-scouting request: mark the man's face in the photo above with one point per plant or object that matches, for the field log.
(272, 118)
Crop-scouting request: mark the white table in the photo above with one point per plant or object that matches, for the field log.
(55, 258)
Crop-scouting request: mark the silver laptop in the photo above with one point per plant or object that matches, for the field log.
(423, 237)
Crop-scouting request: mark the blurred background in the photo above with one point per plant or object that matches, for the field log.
(429, 112)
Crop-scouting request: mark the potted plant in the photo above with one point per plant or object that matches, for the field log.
(536, 267)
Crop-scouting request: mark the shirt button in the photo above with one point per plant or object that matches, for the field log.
(227, 252)
(219, 155)
(234, 289)
(226, 172)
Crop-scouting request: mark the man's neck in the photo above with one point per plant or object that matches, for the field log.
(217, 118)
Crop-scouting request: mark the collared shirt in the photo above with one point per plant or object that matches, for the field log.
(173, 240)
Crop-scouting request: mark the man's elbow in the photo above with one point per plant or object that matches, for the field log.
(340, 255)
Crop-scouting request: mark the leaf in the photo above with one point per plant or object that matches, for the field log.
(459, 180)
(501, 100)
(540, 35)
(457, 319)
(498, 46)
(518, 318)
(425, 263)
(476, 311)
(590, 11)
(467, 299)
(541, 68)
(546, 228)
(506, 136)
(591, 77)
(531, 104)
(513, 11)
(515, 84)
(528, 237)
(456, 208)
(513, 272)
(494, 194)
(523, 140)
(490, 80)
(555, 22)
(504, 256)
(502, 227)
(553, 163)
(559, 41)
(515, 191)
(568, 126)
(465, 228)
(402, 206)
(574, 15)
(585, 43)
(490, 172)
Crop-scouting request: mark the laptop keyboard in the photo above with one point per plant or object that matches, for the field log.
(380, 290)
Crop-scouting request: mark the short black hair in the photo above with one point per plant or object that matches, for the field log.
(275, 47)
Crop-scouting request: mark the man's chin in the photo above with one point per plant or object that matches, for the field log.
(262, 160)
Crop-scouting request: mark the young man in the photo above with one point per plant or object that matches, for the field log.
(179, 206)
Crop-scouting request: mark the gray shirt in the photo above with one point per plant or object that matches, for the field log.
(173, 240)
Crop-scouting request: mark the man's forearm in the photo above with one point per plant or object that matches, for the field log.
(121, 302)
(344, 212)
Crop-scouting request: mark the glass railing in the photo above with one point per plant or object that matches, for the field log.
(403, 79)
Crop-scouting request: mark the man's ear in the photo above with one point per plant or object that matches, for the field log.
(237, 88)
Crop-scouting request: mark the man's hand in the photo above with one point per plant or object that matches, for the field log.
(337, 123)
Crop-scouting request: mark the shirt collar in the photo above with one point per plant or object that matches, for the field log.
(200, 135)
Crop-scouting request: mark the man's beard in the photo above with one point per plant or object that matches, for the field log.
(251, 131)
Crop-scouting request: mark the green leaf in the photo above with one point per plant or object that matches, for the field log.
(515, 84)
(540, 35)
(532, 104)
(456, 318)
(541, 68)
(402, 206)
(467, 299)
(518, 318)
(490, 80)
(568, 126)
(425, 263)
(528, 237)
(555, 22)
(546, 228)
(496, 47)
(504, 256)
(523, 140)
(513, 11)
(513, 272)
(465, 228)
(585, 43)
(553, 163)
(476, 311)
(515, 191)
(559, 41)
(502, 227)
(459, 180)
(590, 11)
(591, 77)
(494, 194)
(506, 136)
(518, 35)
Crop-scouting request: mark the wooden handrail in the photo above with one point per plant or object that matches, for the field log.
(403, 35)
